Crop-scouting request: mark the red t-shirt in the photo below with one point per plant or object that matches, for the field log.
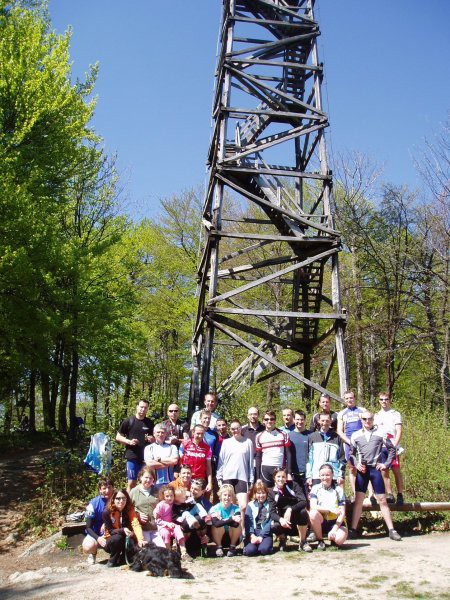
(196, 457)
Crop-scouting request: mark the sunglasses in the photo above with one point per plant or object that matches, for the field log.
(174, 410)
(269, 419)
(120, 498)
(366, 418)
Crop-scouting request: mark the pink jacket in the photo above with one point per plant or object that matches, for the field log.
(163, 513)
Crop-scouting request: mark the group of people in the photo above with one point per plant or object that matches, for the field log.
(252, 482)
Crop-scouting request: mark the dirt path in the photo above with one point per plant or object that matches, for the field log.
(418, 567)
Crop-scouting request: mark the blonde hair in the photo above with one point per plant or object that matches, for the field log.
(227, 487)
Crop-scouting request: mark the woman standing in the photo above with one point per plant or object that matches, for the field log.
(235, 465)
(120, 523)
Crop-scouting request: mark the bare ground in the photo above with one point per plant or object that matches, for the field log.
(417, 567)
(375, 567)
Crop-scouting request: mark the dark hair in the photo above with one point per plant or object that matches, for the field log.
(324, 414)
(201, 482)
(300, 412)
(111, 507)
(278, 470)
(188, 467)
(270, 413)
(105, 482)
(326, 466)
(144, 400)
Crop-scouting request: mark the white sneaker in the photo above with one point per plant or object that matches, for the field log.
(91, 559)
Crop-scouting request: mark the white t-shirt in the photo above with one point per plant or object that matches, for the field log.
(157, 452)
(386, 420)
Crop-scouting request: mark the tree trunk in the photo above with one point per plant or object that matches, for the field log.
(46, 408)
(7, 421)
(73, 393)
(65, 385)
(94, 405)
(32, 402)
(359, 345)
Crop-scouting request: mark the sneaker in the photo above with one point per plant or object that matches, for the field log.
(394, 535)
(321, 546)
(111, 563)
(91, 559)
(282, 543)
(219, 552)
(304, 547)
(311, 537)
(390, 498)
(352, 534)
(400, 500)
(231, 551)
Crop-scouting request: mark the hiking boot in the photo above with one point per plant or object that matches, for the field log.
(304, 547)
(231, 551)
(282, 543)
(390, 498)
(219, 552)
(394, 535)
(400, 500)
(321, 546)
(373, 501)
(91, 559)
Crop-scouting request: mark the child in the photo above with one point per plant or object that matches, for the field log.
(188, 511)
(166, 528)
(258, 537)
(226, 518)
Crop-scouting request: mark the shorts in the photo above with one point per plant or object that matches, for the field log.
(240, 487)
(373, 475)
(395, 463)
(133, 468)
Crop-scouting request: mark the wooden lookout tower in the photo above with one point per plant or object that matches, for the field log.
(269, 299)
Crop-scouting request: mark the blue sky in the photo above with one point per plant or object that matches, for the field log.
(387, 83)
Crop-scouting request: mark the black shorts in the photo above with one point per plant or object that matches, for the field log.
(240, 487)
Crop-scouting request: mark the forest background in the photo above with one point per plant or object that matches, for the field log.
(97, 310)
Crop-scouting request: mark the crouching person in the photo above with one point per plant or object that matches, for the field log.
(258, 537)
(287, 506)
(226, 518)
(120, 525)
(94, 521)
(327, 509)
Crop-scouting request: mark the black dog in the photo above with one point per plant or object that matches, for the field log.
(158, 561)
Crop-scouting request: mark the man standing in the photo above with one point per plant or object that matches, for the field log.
(390, 425)
(366, 448)
(325, 446)
(177, 431)
(197, 454)
(161, 457)
(211, 405)
(253, 426)
(135, 433)
(271, 449)
(299, 447)
(324, 406)
(348, 421)
(288, 420)
(250, 431)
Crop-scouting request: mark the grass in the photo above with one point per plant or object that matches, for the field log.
(378, 578)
